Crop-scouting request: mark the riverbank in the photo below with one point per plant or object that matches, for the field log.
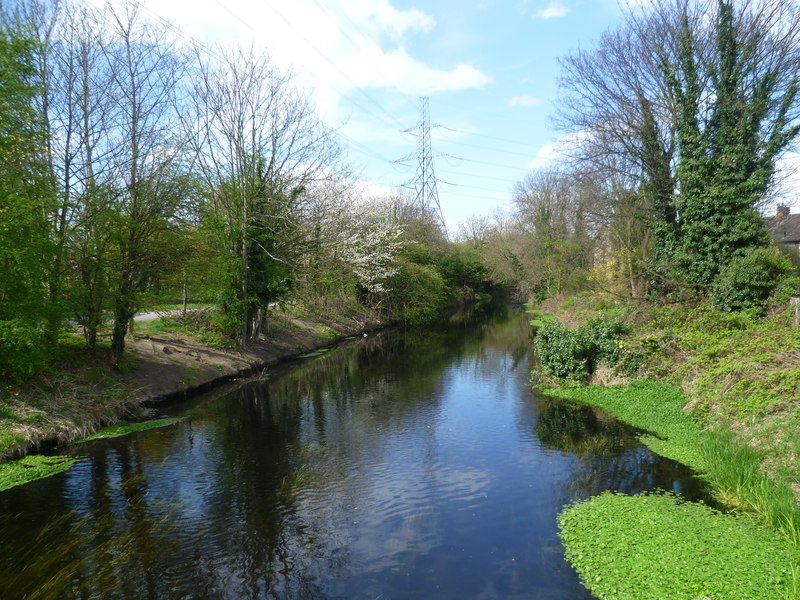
(81, 394)
(716, 391)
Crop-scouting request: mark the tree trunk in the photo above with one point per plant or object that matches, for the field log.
(185, 293)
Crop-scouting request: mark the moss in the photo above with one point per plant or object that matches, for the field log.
(654, 546)
(126, 428)
(30, 468)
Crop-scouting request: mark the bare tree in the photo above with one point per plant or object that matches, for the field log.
(147, 70)
(259, 147)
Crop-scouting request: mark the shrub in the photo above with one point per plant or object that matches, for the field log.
(747, 282)
(419, 293)
(573, 355)
(562, 352)
(23, 349)
(602, 335)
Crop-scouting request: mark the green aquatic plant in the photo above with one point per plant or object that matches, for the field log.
(657, 547)
(316, 353)
(125, 428)
(30, 468)
(656, 408)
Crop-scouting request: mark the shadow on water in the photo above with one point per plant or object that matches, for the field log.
(409, 464)
(609, 456)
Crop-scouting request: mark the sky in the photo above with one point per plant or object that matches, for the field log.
(488, 67)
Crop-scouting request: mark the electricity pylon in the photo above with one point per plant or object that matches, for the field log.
(427, 196)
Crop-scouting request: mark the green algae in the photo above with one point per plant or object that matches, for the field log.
(655, 546)
(125, 428)
(31, 468)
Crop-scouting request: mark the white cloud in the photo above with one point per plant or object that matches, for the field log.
(786, 189)
(525, 100)
(387, 18)
(555, 10)
(549, 154)
(334, 47)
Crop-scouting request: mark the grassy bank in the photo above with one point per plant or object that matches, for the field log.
(80, 394)
(718, 392)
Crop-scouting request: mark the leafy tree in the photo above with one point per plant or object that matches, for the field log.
(727, 159)
(25, 246)
(259, 148)
(147, 70)
(691, 102)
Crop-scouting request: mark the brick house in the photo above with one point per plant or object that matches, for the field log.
(785, 228)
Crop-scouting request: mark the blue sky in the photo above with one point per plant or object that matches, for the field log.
(489, 67)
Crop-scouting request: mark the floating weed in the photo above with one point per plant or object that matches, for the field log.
(655, 546)
(292, 483)
(30, 468)
(651, 406)
(126, 428)
(315, 353)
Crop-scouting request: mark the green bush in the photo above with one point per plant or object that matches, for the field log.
(23, 349)
(419, 293)
(562, 352)
(574, 355)
(602, 335)
(747, 282)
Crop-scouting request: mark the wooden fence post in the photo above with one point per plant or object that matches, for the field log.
(795, 304)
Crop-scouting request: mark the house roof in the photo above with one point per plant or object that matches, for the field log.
(785, 228)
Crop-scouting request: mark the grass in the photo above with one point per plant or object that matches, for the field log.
(198, 325)
(735, 470)
(735, 368)
(741, 430)
(656, 547)
(125, 428)
(30, 468)
(63, 402)
(654, 407)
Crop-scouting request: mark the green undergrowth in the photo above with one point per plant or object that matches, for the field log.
(125, 428)
(654, 407)
(30, 468)
(736, 473)
(735, 367)
(657, 547)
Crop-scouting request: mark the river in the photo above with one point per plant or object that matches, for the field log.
(406, 465)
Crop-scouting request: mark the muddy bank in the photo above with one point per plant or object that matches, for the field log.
(80, 396)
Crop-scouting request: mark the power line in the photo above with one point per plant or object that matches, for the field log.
(324, 57)
(457, 143)
(490, 137)
(355, 45)
(483, 162)
(427, 196)
(503, 179)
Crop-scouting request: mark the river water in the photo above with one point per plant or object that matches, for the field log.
(407, 465)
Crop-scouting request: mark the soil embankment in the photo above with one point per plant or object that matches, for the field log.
(79, 396)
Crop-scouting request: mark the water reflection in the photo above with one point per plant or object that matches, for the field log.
(408, 465)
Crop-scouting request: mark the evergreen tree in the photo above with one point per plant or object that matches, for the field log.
(726, 166)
